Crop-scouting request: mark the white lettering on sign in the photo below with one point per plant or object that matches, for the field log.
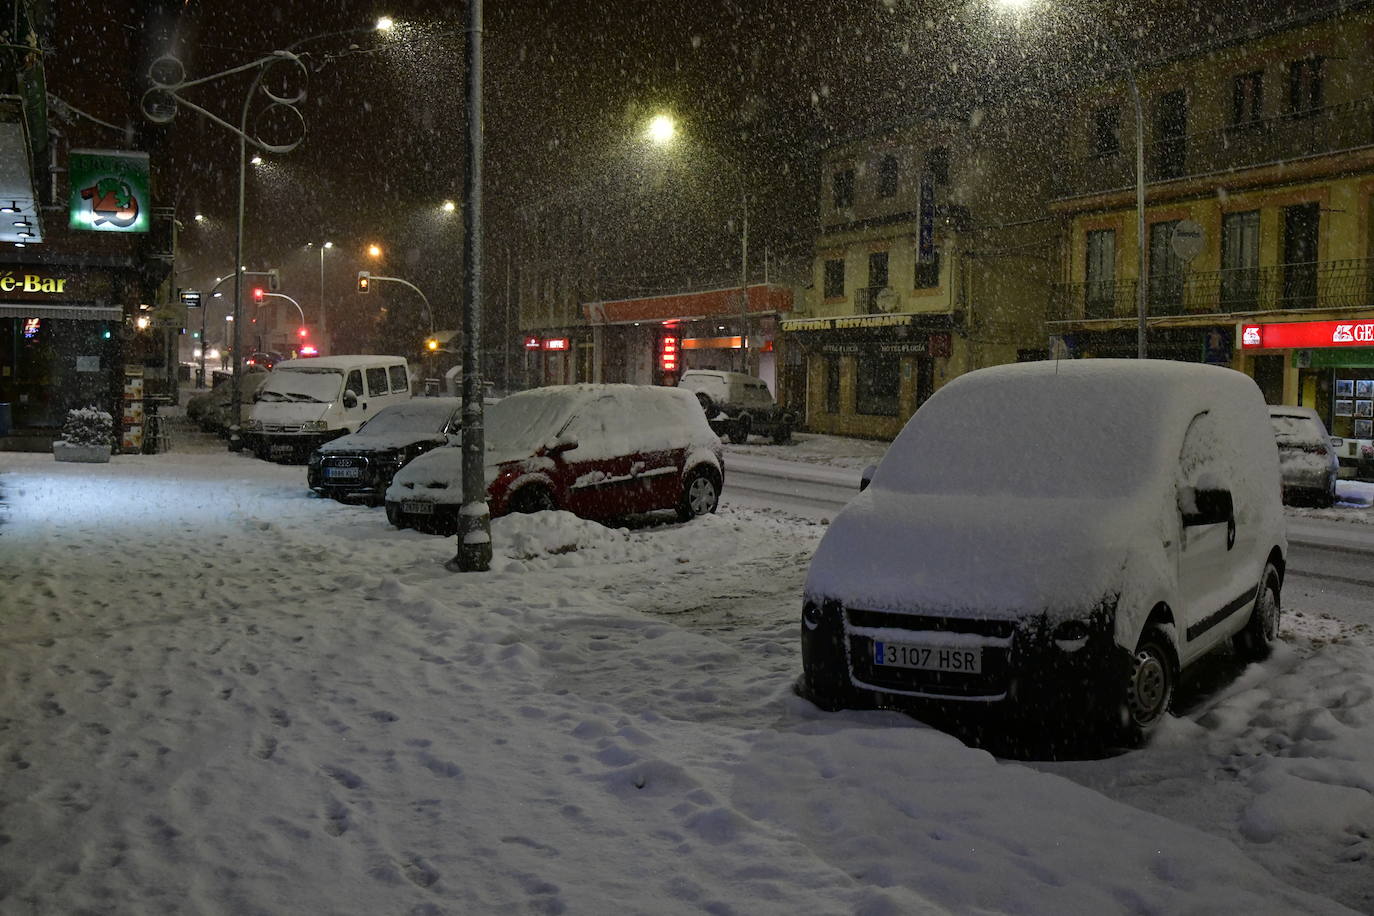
(1364, 333)
(1353, 333)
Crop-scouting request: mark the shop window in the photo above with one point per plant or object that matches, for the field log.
(832, 384)
(834, 278)
(879, 385)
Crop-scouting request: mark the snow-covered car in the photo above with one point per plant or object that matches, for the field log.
(1134, 526)
(211, 410)
(1308, 465)
(360, 465)
(738, 405)
(598, 451)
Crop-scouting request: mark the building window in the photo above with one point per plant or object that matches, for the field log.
(1100, 275)
(878, 381)
(1305, 78)
(834, 278)
(1240, 261)
(1107, 131)
(928, 272)
(1171, 134)
(1247, 98)
(1165, 271)
(877, 269)
(842, 188)
(832, 384)
(937, 164)
(887, 176)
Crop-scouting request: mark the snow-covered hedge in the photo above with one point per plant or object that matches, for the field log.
(88, 426)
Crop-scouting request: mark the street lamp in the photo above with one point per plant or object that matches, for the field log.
(661, 129)
(374, 251)
(323, 247)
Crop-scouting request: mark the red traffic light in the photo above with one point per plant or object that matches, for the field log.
(258, 294)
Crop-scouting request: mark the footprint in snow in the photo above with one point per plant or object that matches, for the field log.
(343, 777)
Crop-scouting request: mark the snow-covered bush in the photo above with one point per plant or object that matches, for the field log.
(88, 426)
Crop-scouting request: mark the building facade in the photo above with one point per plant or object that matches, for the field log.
(1259, 168)
(932, 261)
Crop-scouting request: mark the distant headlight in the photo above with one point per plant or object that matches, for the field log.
(314, 426)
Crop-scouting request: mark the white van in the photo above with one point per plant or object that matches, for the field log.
(307, 402)
(1064, 536)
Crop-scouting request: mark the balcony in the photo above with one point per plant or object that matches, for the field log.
(874, 300)
(1347, 284)
(1330, 129)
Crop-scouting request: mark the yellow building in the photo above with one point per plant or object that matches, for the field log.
(1259, 167)
(933, 260)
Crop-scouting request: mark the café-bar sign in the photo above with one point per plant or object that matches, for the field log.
(109, 191)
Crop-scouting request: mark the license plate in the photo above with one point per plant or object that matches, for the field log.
(417, 506)
(343, 472)
(928, 658)
(283, 449)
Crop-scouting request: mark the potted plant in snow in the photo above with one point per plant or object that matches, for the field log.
(86, 436)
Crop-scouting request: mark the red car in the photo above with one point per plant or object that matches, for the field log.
(599, 451)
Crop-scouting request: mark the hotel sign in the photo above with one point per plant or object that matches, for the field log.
(1307, 334)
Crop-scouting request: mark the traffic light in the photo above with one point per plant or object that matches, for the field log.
(364, 281)
(274, 279)
(259, 294)
(304, 333)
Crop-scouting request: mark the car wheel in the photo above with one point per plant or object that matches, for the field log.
(739, 433)
(700, 494)
(531, 498)
(782, 433)
(1149, 688)
(708, 406)
(395, 516)
(1256, 641)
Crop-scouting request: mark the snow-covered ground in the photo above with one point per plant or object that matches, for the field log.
(219, 694)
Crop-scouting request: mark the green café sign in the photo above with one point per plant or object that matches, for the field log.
(109, 191)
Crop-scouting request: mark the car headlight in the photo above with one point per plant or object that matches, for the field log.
(314, 426)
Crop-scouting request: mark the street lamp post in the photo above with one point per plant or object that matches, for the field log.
(324, 323)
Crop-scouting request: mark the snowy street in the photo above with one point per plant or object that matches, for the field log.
(221, 694)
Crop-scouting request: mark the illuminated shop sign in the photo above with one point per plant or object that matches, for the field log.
(109, 191)
(31, 327)
(531, 343)
(667, 353)
(1307, 334)
(10, 282)
(556, 343)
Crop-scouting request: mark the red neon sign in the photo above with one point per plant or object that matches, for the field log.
(556, 343)
(667, 353)
(1307, 334)
(531, 343)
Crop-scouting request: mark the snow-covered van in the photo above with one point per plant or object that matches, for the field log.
(307, 402)
(1055, 535)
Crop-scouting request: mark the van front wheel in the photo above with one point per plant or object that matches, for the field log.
(1256, 641)
(1149, 686)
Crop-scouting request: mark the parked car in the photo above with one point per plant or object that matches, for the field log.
(212, 410)
(1055, 536)
(307, 402)
(598, 451)
(1308, 465)
(738, 405)
(360, 465)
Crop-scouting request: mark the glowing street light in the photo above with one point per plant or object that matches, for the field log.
(256, 160)
(374, 251)
(449, 206)
(385, 24)
(661, 129)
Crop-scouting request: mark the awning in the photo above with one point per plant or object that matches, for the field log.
(764, 299)
(52, 310)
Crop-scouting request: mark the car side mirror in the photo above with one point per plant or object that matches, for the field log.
(350, 400)
(866, 477)
(1205, 506)
(563, 443)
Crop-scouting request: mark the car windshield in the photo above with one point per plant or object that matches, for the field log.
(1291, 429)
(315, 385)
(1048, 440)
(523, 423)
(416, 416)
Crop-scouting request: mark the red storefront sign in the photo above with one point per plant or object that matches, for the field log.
(1307, 334)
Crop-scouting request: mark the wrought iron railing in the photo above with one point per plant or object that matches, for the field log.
(1345, 284)
(866, 300)
(1289, 136)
